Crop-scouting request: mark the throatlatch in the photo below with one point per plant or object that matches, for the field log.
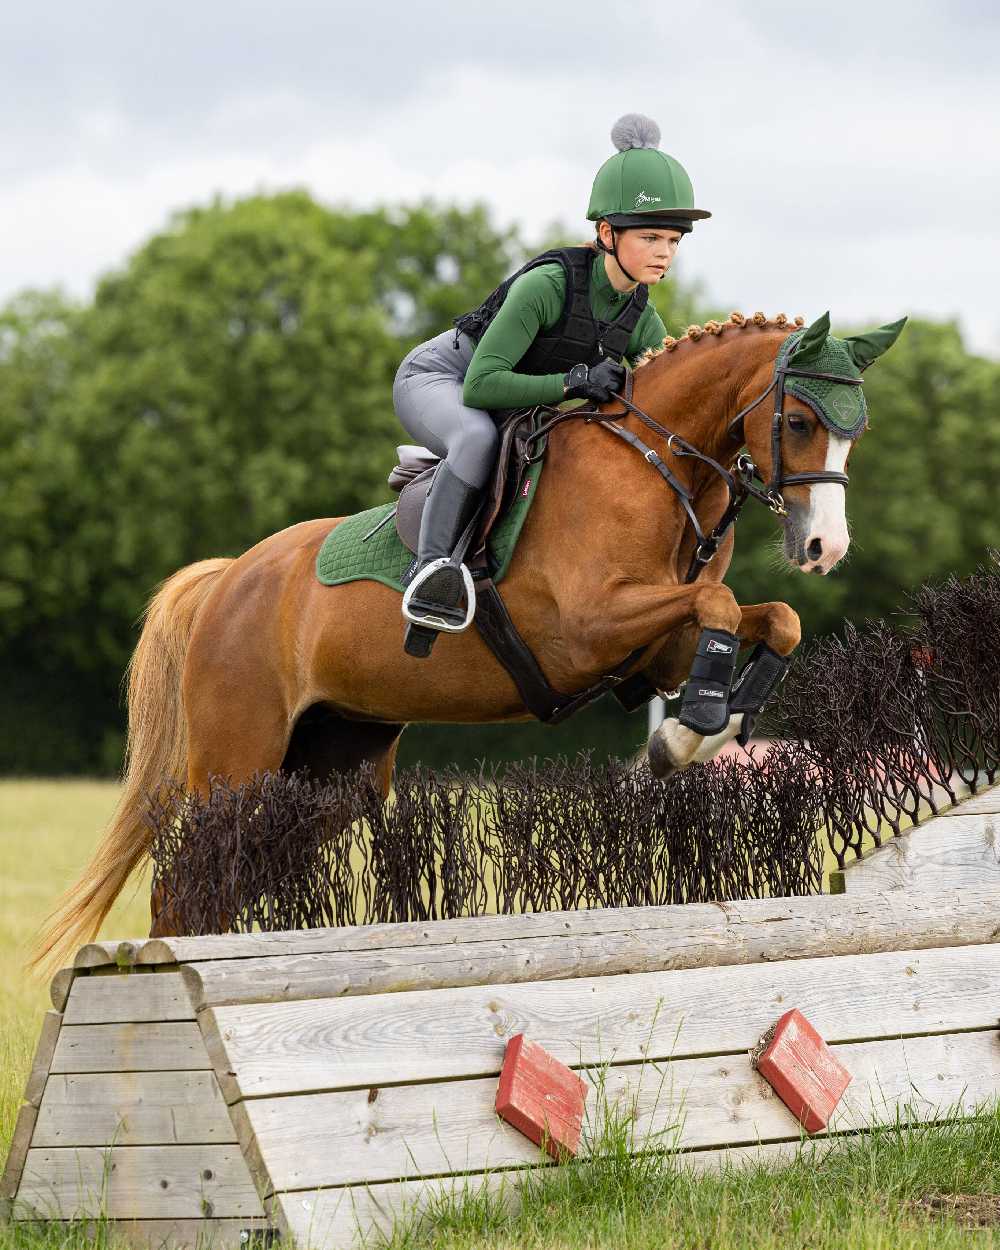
(759, 678)
(705, 706)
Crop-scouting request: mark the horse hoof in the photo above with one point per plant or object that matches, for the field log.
(661, 762)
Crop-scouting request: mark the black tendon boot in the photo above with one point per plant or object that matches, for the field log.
(762, 674)
(705, 706)
(433, 599)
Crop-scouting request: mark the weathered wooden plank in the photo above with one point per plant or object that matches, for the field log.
(176, 1234)
(396, 1132)
(951, 853)
(338, 1219)
(987, 800)
(142, 1182)
(714, 926)
(23, 1128)
(330, 1044)
(60, 987)
(128, 999)
(133, 1109)
(344, 1219)
(796, 929)
(423, 933)
(48, 1036)
(170, 1047)
(676, 920)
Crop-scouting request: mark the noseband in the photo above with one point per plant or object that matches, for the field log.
(741, 482)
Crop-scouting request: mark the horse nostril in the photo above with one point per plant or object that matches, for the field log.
(815, 549)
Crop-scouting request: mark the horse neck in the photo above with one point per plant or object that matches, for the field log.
(696, 389)
(607, 498)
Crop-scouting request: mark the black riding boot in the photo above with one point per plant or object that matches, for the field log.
(432, 600)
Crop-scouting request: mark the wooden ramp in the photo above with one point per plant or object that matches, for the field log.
(960, 848)
(321, 1082)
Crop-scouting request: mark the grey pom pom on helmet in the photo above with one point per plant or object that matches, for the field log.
(635, 131)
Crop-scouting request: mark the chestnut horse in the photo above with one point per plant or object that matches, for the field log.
(250, 664)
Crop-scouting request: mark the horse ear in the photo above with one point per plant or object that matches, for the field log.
(865, 348)
(813, 337)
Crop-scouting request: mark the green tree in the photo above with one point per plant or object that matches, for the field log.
(36, 337)
(232, 378)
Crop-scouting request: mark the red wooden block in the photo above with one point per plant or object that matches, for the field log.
(803, 1071)
(541, 1097)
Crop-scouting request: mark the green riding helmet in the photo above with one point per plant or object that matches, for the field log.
(640, 185)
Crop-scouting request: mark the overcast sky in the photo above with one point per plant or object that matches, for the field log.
(848, 151)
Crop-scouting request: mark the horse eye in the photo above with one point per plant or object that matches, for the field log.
(797, 422)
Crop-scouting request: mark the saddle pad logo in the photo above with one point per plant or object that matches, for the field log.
(526, 489)
(714, 646)
(711, 694)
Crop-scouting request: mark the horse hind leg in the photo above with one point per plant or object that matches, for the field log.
(328, 743)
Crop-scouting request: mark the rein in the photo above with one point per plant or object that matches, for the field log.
(740, 482)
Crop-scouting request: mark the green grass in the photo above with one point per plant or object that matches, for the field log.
(47, 832)
(869, 1193)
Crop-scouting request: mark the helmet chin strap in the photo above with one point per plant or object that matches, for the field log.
(613, 251)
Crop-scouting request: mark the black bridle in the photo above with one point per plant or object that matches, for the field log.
(741, 482)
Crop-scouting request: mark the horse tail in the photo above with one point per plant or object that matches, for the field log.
(156, 751)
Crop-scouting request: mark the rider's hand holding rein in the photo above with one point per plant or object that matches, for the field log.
(601, 382)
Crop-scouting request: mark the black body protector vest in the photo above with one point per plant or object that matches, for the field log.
(578, 337)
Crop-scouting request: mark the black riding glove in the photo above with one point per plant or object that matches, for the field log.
(602, 382)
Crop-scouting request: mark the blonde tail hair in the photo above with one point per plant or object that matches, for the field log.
(156, 751)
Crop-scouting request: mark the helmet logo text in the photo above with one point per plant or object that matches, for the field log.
(643, 198)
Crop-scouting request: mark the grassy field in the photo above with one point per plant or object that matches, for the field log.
(935, 1187)
(47, 830)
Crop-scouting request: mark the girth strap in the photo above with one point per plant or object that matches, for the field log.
(542, 700)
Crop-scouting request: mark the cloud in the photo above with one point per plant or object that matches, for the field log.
(841, 151)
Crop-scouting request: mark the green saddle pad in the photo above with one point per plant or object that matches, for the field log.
(344, 557)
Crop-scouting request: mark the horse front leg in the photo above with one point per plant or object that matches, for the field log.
(778, 627)
(705, 613)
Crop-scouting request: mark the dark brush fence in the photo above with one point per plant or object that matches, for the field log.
(896, 720)
(872, 731)
(284, 852)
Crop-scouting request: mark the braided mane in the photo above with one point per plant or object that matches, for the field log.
(736, 321)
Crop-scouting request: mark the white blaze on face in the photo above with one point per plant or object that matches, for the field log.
(827, 524)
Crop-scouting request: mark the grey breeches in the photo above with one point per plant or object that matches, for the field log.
(427, 396)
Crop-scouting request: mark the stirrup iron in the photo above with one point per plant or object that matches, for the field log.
(433, 616)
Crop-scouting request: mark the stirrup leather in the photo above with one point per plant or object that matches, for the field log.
(430, 615)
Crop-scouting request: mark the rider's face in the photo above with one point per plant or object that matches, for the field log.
(647, 253)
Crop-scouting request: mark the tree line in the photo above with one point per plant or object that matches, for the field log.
(234, 376)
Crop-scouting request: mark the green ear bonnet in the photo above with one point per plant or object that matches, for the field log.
(840, 406)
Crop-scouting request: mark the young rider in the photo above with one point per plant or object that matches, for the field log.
(558, 329)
